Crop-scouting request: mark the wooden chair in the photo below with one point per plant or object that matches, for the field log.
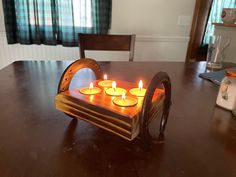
(107, 43)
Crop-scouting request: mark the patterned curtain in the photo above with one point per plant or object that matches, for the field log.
(215, 16)
(55, 22)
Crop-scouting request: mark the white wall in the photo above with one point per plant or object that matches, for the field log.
(1, 18)
(151, 17)
(162, 28)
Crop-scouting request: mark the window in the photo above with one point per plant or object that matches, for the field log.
(55, 21)
(83, 18)
(215, 16)
(81, 12)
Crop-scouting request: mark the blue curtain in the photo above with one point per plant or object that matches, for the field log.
(215, 16)
(55, 22)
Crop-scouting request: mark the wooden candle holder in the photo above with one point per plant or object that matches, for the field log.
(99, 110)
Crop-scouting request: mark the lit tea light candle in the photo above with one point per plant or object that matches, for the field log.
(140, 91)
(125, 101)
(114, 91)
(91, 90)
(105, 83)
(105, 77)
(113, 85)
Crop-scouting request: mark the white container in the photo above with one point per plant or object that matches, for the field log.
(228, 16)
(227, 92)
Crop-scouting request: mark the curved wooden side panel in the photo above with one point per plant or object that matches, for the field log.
(76, 66)
(159, 78)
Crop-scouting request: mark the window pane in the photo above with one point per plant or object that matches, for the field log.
(215, 16)
(82, 13)
(75, 13)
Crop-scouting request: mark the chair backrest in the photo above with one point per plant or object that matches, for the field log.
(107, 42)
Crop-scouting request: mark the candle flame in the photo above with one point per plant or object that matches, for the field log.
(140, 85)
(91, 85)
(123, 95)
(105, 77)
(114, 84)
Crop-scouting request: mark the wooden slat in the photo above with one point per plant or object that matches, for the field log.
(71, 102)
(107, 43)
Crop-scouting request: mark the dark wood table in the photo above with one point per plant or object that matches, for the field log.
(36, 140)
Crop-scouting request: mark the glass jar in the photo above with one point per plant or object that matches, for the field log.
(227, 92)
(216, 52)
